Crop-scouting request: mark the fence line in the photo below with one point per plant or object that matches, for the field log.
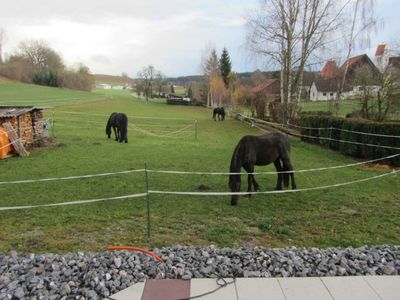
(319, 137)
(272, 192)
(347, 142)
(316, 128)
(71, 177)
(149, 192)
(193, 173)
(274, 173)
(74, 202)
(134, 117)
(169, 134)
(345, 130)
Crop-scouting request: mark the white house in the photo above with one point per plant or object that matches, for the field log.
(103, 86)
(382, 57)
(325, 87)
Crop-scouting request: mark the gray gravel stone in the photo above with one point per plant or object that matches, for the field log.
(98, 275)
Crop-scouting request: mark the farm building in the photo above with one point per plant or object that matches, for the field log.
(103, 86)
(177, 99)
(269, 90)
(325, 86)
(27, 123)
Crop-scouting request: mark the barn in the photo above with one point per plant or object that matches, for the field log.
(27, 124)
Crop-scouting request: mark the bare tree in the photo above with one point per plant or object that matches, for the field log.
(147, 75)
(388, 95)
(362, 20)
(40, 55)
(2, 38)
(210, 66)
(289, 32)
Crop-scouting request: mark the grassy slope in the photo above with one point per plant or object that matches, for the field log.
(346, 106)
(353, 215)
(113, 80)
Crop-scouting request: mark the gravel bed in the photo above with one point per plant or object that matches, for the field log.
(98, 275)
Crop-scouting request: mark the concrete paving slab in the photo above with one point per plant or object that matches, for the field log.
(201, 286)
(134, 292)
(387, 287)
(349, 288)
(303, 288)
(259, 289)
(313, 288)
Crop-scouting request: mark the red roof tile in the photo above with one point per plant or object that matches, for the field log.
(263, 85)
(380, 50)
(351, 61)
(330, 69)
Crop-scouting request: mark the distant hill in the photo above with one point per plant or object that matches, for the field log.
(185, 80)
(113, 80)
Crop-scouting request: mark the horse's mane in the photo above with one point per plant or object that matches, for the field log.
(110, 123)
(236, 160)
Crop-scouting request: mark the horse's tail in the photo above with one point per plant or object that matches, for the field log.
(108, 126)
(214, 112)
(285, 158)
(235, 164)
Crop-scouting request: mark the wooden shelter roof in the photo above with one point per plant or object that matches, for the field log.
(15, 111)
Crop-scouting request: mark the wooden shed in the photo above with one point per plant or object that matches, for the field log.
(27, 123)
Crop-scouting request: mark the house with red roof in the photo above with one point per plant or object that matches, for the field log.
(268, 89)
(382, 56)
(325, 87)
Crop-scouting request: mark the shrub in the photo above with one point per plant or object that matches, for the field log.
(348, 130)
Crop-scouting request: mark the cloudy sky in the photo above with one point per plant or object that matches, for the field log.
(118, 36)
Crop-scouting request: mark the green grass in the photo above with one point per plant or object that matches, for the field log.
(354, 215)
(180, 90)
(345, 107)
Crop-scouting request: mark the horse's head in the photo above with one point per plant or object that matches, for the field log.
(108, 130)
(234, 185)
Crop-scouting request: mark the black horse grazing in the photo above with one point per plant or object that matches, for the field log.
(261, 151)
(119, 122)
(220, 111)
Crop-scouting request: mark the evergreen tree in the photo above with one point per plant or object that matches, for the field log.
(190, 93)
(225, 66)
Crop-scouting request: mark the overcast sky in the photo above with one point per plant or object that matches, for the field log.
(118, 36)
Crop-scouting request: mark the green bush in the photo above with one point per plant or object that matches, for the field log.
(346, 130)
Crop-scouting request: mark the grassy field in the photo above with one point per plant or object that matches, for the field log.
(354, 215)
(345, 107)
(113, 80)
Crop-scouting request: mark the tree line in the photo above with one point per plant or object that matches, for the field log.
(35, 62)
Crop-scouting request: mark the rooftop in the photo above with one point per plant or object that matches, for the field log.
(15, 111)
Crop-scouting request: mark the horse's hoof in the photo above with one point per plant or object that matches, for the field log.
(294, 187)
(248, 196)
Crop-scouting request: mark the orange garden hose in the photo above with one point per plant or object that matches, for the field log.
(111, 248)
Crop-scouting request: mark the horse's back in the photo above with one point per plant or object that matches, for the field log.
(266, 148)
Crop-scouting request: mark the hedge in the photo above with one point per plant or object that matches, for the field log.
(360, 151)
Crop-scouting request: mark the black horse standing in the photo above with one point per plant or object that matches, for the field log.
(261, 151)
(119, 122)
(220, 111)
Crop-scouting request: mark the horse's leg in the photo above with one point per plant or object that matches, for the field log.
(250, 178)
(120, 135)
(234, 184)
(278, 168)
(288, 167)
(115, 133)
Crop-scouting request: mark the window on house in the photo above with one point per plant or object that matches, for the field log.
(331, 94)
(324, 94)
